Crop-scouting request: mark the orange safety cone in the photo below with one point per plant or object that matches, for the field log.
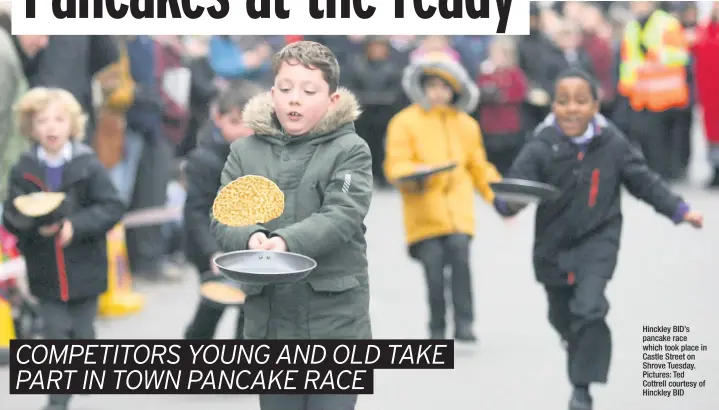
(119, 299)
(7, 330)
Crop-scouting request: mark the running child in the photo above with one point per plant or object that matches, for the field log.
(577, 236)
(304, 140)
(439, 218)
(202, 171)
(66, 262)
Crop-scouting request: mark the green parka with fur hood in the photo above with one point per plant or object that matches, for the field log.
(326, 177)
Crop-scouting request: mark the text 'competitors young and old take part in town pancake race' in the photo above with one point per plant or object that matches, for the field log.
(254, 160)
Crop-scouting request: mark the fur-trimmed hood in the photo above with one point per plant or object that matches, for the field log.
(412, 82)
(260, 116)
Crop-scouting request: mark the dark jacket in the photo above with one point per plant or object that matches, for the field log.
(80, 269)
(202, 92)
(145, 114)
(532, 53)
(203, 170)
(70, 63)
(375, 83)
(203, 88)
(343, 47)
(556, 61)
(378, 86)
(326, 177)
(578, 234)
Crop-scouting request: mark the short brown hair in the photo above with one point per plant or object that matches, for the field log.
(313, 56)
(237, 96)
(37, 99)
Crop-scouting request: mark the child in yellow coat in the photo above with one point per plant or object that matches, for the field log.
(439, 217)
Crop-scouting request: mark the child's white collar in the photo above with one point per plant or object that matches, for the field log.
(598, 123)
(64, 156)
(587, 136)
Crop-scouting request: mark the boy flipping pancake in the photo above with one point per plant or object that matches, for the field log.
(304, 140)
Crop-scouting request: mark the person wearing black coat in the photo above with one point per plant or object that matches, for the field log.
(203, 90)
(577, 235)
(202, 167)
(66, 262)
(203, 170)
(565, 53)
(95, 207)
(375, 78)
(533, 51)
(71, 63)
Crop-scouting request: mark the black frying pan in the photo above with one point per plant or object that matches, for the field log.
(424, 174)
(524, 192)
(416, 181)
(264, 267)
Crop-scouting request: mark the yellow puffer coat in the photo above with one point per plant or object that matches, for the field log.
(416, 138)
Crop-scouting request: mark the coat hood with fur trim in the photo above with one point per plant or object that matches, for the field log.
(412, 82)
(260, 116)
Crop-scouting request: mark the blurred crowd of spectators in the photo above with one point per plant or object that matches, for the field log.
(148, 97)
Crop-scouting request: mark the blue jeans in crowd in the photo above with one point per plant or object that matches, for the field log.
(124, 173)
(173, 231)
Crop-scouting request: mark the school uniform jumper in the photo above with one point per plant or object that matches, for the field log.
(577, 236)
(66, 281)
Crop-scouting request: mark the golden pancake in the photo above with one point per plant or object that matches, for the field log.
(38, 203)
(247, 201)
(222, 293)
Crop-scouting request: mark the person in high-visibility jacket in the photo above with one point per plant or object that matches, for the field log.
(653, 80)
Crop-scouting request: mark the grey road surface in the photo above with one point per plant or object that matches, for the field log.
(666, 276)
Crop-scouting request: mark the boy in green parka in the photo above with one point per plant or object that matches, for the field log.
(304, 140)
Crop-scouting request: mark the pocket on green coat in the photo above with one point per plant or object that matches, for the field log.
(339, 308)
